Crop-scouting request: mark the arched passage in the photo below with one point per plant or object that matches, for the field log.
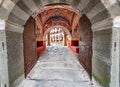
(67, 34)
(100, 12)
(64, 29)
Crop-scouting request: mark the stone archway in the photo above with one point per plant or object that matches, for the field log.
(67, 34)
(100, 12)
(64, 29)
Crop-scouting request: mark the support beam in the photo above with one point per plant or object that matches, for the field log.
(48, 39)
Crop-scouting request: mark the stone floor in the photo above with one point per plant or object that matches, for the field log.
(57, 67)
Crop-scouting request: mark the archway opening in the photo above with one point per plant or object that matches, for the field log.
(57, 35)
(76, 34)
(41, 23)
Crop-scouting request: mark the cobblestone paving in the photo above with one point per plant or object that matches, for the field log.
(57, 67)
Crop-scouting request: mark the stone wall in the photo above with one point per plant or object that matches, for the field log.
(101, 56)
(15, 55)
(115, 54)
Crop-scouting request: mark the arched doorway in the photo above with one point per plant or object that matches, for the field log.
(85, 42)
(66, 34)
(57, 37)
(95, 20)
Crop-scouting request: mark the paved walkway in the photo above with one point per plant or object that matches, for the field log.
(57, 67)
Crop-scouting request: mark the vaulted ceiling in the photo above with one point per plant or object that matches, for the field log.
(57, 14)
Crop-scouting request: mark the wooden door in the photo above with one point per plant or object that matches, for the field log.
(85, 44)
(30, 48)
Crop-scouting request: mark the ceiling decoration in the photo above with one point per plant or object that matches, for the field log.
(51, 15)
(57, 18)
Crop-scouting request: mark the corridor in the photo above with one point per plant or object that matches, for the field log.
(57, 67)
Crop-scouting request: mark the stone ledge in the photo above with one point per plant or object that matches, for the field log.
(102, 25)
(14, 27)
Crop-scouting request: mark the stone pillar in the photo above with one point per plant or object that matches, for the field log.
(115, 58)
(14, 41)
(48, 39)
(4, 80)
(65, 39)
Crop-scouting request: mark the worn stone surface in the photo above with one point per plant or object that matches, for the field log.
(103, 25)
(102, 44)
(115, 55)
(13, 18)
(3, 60)
(57, 67)
(38, 3)
(31, 5)
(23, 6)
(3, 13)
(102, 56)
(100, 16)
(95, 10)
(90, 5)
(15, 55)
(10, 26)
(115, 9)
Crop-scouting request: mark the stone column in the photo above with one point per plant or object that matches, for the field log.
(115, 57)
(48, 39)
(14, 39)
(65, 39)
(4, 80)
